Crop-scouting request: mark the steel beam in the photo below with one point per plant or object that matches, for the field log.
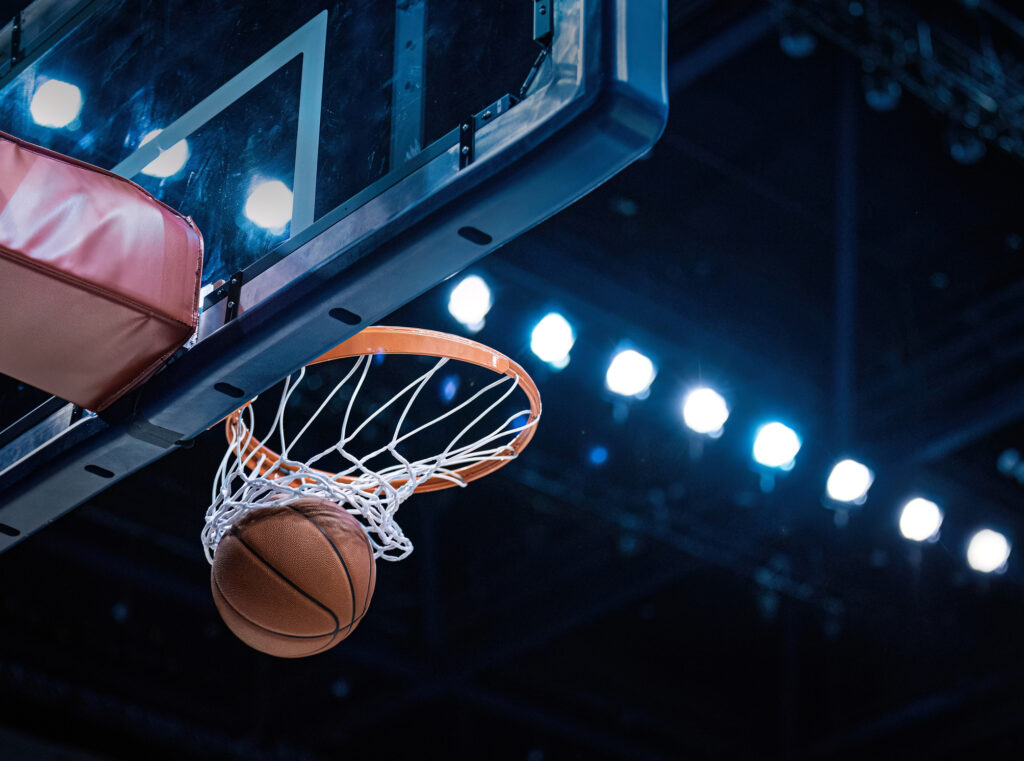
(845, 256)
(720, 49)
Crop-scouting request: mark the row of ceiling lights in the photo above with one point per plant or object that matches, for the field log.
(56, 105)
(631, 373)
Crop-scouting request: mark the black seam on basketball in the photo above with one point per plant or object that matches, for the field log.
(323, 648)
(349, 626)
(342, 633)
(344, 565)
(289, 582)
(332, 637)
(276, 633)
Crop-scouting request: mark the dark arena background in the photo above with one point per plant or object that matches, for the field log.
(828, 235)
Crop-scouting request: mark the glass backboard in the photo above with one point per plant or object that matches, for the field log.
(339, 161)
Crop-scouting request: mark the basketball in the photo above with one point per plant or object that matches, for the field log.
(294, 580)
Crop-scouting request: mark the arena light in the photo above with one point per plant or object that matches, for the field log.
(965, 147)
(776, 446)
(796, 42)
(470, 301)
(598, 455)
(630, 373)
(55, 104)
(849, 481)
(920, 520)
(988, 551)
(705, 411)
(882, 93)
(269, 204)
(170, 161)
(552, 339)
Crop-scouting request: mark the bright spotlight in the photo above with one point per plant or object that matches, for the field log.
(705, 411)
(920, 520)
(470, 301)
(630, 373)
(776, 446)
(170, 161)
(988, 551)
(849, 481)
(55, 104)
(270, 204)
(552, 339)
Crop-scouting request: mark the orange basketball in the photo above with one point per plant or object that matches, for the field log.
(294, 580)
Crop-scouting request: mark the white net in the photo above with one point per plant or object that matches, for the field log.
(247, 479)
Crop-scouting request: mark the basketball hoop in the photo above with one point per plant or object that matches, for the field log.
(252, 475)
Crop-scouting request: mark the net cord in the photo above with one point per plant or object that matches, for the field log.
(374, 494)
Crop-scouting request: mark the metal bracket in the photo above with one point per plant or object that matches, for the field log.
(468, 128)
(233, 297)
(543, 21)
(498, 107)
(467, 142)
(534, 71)
(16, 52)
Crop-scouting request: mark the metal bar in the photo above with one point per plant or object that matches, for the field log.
(16, 49)
(309, 41)
(960, 427)
(933, 707)
(57, 433)
(407, 85)
(29, 420)
(845, 255)
(716, 51)
(1003, 16)
(742, 176)
(307, 141)
(994, 320)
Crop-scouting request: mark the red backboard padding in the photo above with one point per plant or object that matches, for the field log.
(99, 281)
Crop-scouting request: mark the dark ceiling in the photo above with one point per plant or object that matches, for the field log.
(812, 258)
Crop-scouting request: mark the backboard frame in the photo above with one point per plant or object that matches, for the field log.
(601, 103)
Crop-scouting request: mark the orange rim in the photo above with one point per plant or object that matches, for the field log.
(382, 339)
